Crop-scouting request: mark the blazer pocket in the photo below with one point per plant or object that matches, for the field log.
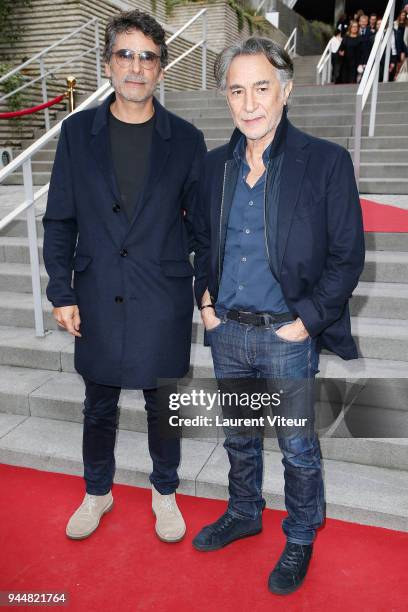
(81, 262)
(173, 267)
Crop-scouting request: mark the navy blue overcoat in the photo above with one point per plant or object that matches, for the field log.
(132, 280)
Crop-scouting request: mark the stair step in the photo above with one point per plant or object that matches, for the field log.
(393, 186)
(17, 277)
(54, 445)
(330, 366)
(356, 493)
(39, 178)
(384, 170)
(377, 338)
(61, 397)
(391, 266)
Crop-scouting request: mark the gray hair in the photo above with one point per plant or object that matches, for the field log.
(277, 56)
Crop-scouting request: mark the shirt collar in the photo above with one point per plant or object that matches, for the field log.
(272, 150)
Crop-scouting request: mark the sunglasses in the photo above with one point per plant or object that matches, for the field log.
(125, 58)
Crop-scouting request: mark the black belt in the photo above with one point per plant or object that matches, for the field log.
(259, 318)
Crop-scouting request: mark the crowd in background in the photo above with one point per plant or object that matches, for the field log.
(353, 41)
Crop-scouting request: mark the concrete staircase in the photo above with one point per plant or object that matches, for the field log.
(305, 69)
(366, 478)
(41, 396)
(326, 112)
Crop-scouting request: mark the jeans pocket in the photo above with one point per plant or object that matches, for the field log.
(213, 329)
(275, 327)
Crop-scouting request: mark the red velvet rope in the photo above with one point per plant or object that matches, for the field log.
(34, 109)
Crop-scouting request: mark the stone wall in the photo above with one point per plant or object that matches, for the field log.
(47, 21)
(222, 24)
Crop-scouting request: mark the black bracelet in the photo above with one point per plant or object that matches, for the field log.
(206, 306)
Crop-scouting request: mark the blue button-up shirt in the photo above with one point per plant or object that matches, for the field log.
(247, 282)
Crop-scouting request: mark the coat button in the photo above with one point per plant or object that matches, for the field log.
(123, 253)
(118, 299)
(116, 208)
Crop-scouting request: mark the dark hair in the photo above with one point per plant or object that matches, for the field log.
(135, 20)
(277, 56)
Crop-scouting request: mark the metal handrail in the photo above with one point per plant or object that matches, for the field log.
(49, 72)
(291, 43)
(47, 50)
(369, 81)
(44, 73)
(203, 44)
(324, 67)
(260, 5)
(24, 160)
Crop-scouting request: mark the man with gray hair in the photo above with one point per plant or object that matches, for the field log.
(280, 247)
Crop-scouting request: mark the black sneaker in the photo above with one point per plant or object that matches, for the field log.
(225, 530)
(291, 569)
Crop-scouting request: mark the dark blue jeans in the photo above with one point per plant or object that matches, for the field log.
(99, 435)
(248, 352)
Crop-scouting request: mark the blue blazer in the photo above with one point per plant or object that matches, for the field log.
(314, 239)
(132, 280)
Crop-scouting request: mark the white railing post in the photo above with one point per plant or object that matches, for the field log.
(369, 82)
(97, 55)
(33, 246)
(357, 136)
(204, 54)
(44, 93)
(162, 92)
(374, 96)
(390, 27)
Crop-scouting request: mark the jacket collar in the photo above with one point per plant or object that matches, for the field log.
(287, 136)
(162, 121)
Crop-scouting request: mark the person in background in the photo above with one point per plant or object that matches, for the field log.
(358, 15)
(335, 43)
(363, 25)
(401, 39)
(342, 24)
(367, 42)
(373, 23)
(382, 62)
(350, 51)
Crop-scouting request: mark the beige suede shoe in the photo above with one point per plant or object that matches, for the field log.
(86, 518)
(170, 525)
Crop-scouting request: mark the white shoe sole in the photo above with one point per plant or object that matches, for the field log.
(88, 533)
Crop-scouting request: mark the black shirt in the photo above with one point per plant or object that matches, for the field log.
(131, 144)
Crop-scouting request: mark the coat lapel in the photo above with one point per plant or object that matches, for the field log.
(293, 170)
(101, 150)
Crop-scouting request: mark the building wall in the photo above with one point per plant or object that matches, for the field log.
(48, 21)
(222, 24)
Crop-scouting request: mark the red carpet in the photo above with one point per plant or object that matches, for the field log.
(384, 218)
(123, 567)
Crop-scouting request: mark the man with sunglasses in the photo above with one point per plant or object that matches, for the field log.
(119, 213)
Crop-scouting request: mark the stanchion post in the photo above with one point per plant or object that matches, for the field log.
(44, 94)
(33, 247)
(71, 82)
